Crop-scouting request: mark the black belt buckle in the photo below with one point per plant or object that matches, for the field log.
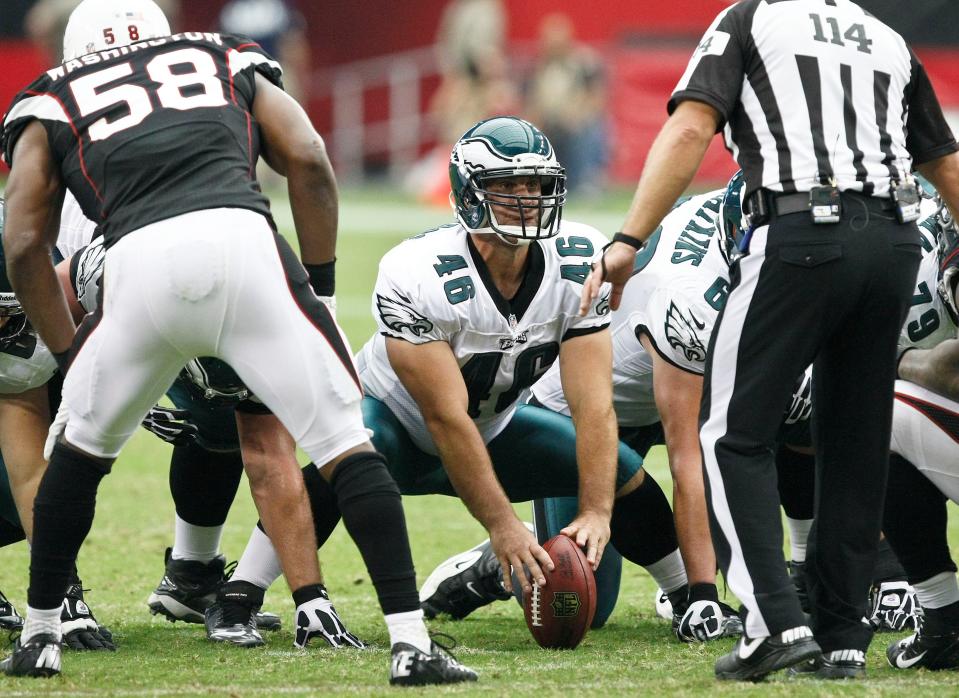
(757, 209)
(825, 204)
(906, 197)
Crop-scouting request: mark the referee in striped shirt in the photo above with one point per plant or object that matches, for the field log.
(827, 111)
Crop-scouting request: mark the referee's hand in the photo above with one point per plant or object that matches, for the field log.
(615, 266)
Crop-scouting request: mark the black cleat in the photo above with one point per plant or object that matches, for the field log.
(463, 583)
(838, 664)
(411, 667)
(9, 618)
(925, 650)
(188, 587)
(232, 617)
(797, 573)
(752, 660)
(40, 657)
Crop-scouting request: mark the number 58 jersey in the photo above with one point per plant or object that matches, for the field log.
(436, 287)
(152, 130)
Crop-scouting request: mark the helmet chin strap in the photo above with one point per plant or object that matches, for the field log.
(514, 241)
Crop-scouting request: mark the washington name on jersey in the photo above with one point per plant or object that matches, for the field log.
(436, 287)
(151, 130)
(679, 285)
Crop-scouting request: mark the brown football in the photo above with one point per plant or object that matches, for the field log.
(559, 614)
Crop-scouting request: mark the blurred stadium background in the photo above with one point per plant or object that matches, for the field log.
(391, 84)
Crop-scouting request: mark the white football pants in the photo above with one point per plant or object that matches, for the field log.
(925, 431)
(210, 283)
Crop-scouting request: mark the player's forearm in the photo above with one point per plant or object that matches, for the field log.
(314, 203)
(470, 470)
(936, 369)
(597, 444)
(670, 165)
(33, 278)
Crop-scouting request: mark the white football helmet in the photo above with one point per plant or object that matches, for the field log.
(97, 25)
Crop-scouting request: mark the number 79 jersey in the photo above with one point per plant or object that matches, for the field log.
(436, 287)
(152, 130)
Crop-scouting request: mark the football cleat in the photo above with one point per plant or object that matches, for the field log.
(318, 618)
(411, 667)
(40, 657)
(797, 573)
(232, 617)
(703, 621)
(894, 607)
(188, 587)
(664, 607)
(9, 618)
(80, 629)
(924, 650)
(463, 583)
(838, 664)
(753, 659)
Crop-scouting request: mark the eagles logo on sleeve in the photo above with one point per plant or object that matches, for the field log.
(681, 333)
(398, 314)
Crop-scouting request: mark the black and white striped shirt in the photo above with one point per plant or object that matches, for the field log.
(810, 90)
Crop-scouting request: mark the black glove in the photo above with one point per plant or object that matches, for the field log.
(80, 629)
(171, 425)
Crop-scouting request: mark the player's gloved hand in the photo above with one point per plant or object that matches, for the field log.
(702, 622)
(591, 533)
(801, 406)
(318, 618)
(894, 607)
(517, 550)
(80, 629)
(56, 430)
(173, 426)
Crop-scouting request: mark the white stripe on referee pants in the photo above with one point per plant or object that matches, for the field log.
(722, 381)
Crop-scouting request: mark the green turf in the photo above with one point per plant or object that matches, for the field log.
(122, 561)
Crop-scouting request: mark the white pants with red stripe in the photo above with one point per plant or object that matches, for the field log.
(925, 431)
(210, 283)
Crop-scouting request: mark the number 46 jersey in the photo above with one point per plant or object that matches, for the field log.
(152, 130)
(436, 287)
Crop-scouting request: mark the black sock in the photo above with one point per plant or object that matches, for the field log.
(62, 516)
(797, 482)
(887, 564)
(942, 620)
(373, 514)
(642, 526)
(914, 521)
(323, 506)
(204, 483)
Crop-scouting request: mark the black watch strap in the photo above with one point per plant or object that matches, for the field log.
(635, 243)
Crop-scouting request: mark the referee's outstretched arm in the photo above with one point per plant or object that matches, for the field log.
(671, 164)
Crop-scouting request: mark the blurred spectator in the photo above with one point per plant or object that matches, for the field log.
(567, 100)
(47, 20)
(470, 29)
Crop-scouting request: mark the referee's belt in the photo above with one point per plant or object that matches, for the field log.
(779, 204)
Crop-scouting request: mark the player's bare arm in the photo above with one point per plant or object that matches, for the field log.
(586, 369)
(24, 420)
(936, 369)
(292, 147)
(431, 375)
(34, 196)
(672, 162)
(678, 394)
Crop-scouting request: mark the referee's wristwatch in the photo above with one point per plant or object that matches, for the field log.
(635, 243)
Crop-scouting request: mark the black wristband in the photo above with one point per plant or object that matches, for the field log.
(63, 360)
(322, 278)
(900, 352)
(635, 243)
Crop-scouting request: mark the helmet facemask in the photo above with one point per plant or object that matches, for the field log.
(536, 215)
(14, 319)
(948, 235)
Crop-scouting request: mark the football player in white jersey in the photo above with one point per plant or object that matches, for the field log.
(469, 316)
(29, 393)
(924, 464)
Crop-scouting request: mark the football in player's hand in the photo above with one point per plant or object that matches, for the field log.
(560, 613)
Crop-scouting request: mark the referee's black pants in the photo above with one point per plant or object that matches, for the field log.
(835, 296)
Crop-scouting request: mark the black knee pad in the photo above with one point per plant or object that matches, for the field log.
(361, 475)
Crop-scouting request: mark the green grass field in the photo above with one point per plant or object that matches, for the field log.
(123, 560)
